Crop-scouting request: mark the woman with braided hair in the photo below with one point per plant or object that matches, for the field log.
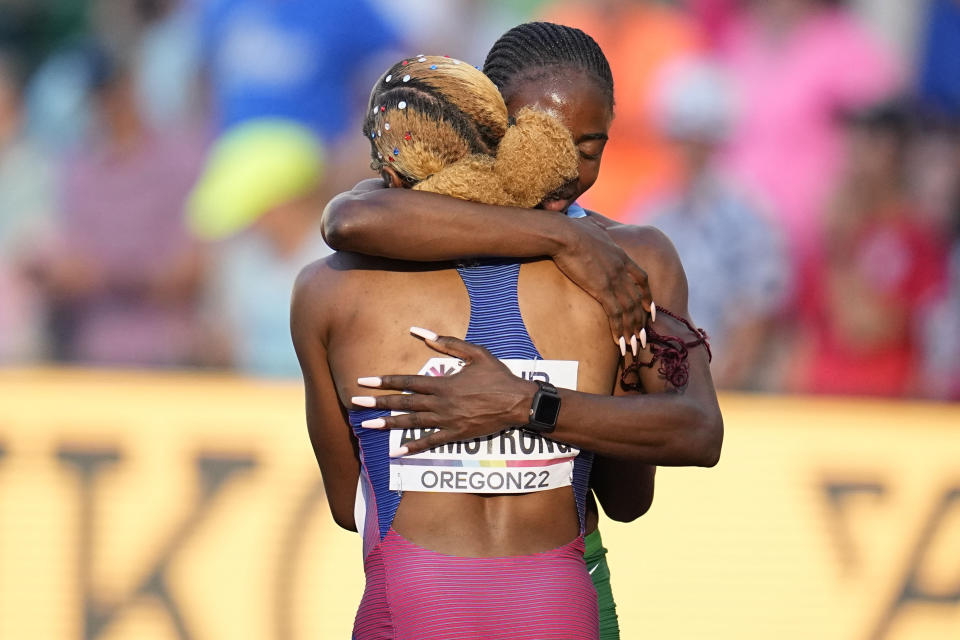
(663, 412)
(483, 538)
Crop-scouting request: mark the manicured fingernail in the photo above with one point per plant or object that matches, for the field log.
(643, 339)
(623, 346)
(633, 344)
(369, 381)
(426, 334)
(364, 401)
(400, 451)
(374, 423)
(653, 312)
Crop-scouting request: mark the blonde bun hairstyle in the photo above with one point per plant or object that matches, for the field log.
(442, 125)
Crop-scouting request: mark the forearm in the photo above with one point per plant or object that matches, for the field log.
(413, 225)
(663, 429)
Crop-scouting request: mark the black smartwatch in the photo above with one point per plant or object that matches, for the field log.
(545, 409)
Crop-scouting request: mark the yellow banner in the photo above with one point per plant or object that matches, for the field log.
(169, 506)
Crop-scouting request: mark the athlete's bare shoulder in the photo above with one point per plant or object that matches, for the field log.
(654, 252)
(319, 286)
(647, 242)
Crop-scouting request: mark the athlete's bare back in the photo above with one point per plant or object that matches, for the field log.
(362, 310)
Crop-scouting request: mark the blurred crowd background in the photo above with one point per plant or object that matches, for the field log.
(164, 165)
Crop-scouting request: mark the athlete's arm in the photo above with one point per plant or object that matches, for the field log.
(420, 226)
(624, 488)
(327, 423)
(663, 427)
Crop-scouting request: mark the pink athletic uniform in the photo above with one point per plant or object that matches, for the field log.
(414, 593)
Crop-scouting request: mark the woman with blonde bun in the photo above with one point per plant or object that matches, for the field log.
(663, 410)
(482, 537)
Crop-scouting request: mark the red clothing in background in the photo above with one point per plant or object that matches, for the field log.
(862, 308)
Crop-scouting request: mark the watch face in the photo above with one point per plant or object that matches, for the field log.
(547, 409)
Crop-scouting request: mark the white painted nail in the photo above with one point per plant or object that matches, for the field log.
(653, 312)
(633, 344)
(623, 346)
(364, 401)
(426, 334)
(370, 381)
(374, 423)
(398, 452)
(643, 339)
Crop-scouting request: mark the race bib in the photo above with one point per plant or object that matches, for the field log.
(512, 461)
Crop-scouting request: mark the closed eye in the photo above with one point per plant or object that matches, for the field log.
(591, 148)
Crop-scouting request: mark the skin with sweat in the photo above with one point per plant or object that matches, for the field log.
(622, 476)
(380, 299)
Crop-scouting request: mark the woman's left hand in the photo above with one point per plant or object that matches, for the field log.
(482, 399)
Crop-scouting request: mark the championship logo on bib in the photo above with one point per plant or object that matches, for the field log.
(512, 461)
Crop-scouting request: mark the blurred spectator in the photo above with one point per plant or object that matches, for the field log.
(26, 208)
(639, 38)
(941, 338)
(733, 256)
(305, 60)
(154, 38)
(941, 332)
(59, 107)
(796, 64)
(939, 83)
(310, 61)
(123, 276)
(168, 65)
(261, 193)
(881, 267)
(426, 24)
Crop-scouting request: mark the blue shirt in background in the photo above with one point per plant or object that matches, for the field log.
(298, 59)
(940, 62)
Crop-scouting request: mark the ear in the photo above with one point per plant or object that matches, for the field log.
(391, 179)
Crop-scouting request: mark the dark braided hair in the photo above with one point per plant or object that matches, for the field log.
(535, 49)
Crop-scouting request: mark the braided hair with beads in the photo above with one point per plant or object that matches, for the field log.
(441, 125)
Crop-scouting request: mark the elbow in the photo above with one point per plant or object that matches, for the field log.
(699, 444)
(344, 519)
(710, 440)
(339, 225)
(632, 512)
(334, 229)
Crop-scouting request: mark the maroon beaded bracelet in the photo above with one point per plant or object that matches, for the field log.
(671, 352)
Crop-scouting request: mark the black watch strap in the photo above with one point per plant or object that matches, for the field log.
(545, 408)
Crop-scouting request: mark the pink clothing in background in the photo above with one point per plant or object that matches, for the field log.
(791, 87)
(715, 18)
(125, 212)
